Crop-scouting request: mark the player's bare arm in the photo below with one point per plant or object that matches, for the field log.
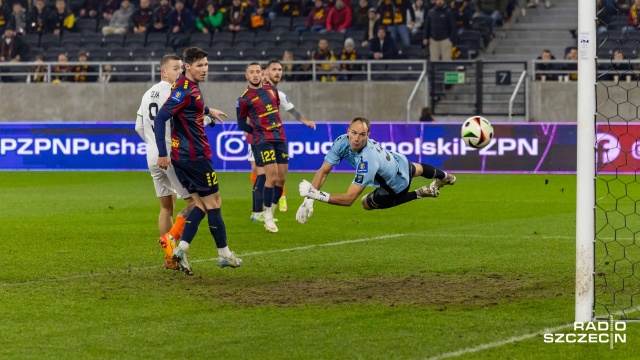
(348, 198)
(321, 175)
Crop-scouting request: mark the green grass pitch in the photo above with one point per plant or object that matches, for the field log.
(477, 273)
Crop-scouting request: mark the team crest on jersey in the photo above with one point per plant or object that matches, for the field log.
(359, 179)
(175, 143)
(177, 95)
(363, 168)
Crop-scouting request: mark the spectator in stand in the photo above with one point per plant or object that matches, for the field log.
(90, 9)
(259, 18)
(210, 19)
(572, 55)
(361, 15)
(37, 19)
(339, 18)
(5, 15)
(420, 10)
(349, 53)
(317, 18)
(142, 18)
(60, 72)
(546, 66)
(12, 48)
(286, 8)
(605, 9)
(107, 74)
(181, 23)
(19, 19)
(38, 73)
(119, 23)
(617, 69)
(61, 19)
(439, 32)
(288, 69)
(237, 17)
(372, 27)
(633, 19)
(426, 115)
(463, 11)
(393, 15)
(161, 16)
(196, 6)
(325, 58)
(84, 72)
(382, 47)
(494, 9)
(108, 8)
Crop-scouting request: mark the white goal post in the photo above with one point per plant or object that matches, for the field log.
(586, 142)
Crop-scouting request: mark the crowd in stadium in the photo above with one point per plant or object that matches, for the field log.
(141, 30)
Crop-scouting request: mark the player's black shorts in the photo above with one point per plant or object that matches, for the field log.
(197, 176)
(271, 153)
(380, 199)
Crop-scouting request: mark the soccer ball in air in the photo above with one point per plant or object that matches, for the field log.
(477, 132)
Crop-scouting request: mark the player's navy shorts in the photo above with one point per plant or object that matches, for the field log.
(271, 153)
(197, 176)
(380, 200)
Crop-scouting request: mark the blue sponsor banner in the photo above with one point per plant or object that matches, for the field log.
(516, 148)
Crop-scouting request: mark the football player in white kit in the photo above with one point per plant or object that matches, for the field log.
(165, 182)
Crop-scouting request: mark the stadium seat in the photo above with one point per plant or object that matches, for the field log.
(102, 23)
(265, 44)
(97, 54)
(311, 36)
(86, 26)
(274, 53)
(413, 52)
(200, 40)
(113, 41)
(119, 54)
(49, 40)
(247, 38)
(298, 22)
(222, 52)
(280, 25)
(222, 39)
(334, 36)
(252, 54)
(33, 40)
(135, 40)
(93, 40)
(155, 40)
(607, 47)
(142, 54)
(288, 37)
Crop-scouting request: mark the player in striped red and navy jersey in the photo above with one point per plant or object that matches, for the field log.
(191, 157)
(260, 105)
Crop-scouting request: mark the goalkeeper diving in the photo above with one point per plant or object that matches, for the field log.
(389, 172)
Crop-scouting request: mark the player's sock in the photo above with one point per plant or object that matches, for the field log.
(224, 252)
(277, 194)
(191, 224)
(429, 172)
(217, 228)
(268, 197)
(177, 228)
(184, 246)
(258, 193)
(254, 176)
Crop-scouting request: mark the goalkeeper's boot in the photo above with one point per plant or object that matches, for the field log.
(449, 179)
(182, 258)
(282, 204)
(231, 261)
(269, 223)
(168, 244)
(427, 191)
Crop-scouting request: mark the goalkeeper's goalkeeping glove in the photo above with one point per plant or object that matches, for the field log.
(305, 211)
(306, 189)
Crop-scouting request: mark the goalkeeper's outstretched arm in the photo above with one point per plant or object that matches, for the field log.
(321, 175)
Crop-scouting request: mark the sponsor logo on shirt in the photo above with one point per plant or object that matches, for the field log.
(177, 95)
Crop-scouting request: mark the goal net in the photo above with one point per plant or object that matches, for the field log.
(616, 229)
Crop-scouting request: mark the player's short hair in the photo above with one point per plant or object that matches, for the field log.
(252, 64)
(273, 61)
(364, 120)
(264, 67)
(193, 54)
(169, 57)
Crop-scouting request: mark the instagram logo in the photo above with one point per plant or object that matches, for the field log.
(232, 146)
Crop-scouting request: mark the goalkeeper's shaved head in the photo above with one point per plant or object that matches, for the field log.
(363, 120)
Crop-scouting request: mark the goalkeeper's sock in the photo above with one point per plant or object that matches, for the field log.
(429, 172)
(277, 194)
(268, 197)
(217, 228)
(254, 176)
(258, 193)
(177, 228)
(191, 224)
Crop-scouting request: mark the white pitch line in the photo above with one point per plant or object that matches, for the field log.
(498, 343)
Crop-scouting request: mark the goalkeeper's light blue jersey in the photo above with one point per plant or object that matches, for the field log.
(374, 165)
